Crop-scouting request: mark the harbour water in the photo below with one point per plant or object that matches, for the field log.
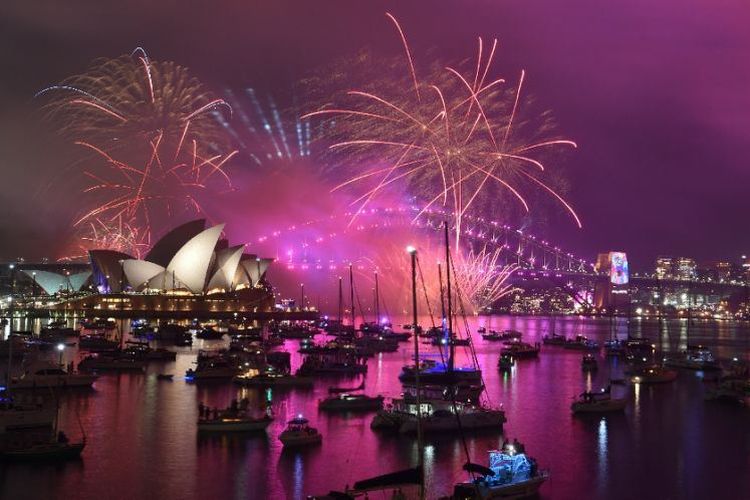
(670, 443)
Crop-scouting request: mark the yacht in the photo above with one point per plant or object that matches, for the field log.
(45, 374)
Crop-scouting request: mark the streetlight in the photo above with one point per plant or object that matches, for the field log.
(302, 303)
(60, 349)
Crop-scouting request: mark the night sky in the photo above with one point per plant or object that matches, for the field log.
(656, 93)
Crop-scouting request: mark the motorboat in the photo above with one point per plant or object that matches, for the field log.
(519, 349)
(652, 374)
(589, 363)
(299, 433)
(44, 374)
(598, 402)
(554, 339)
(351, 402)
(511, 474)
(504, 335)
(235, 418)
(207, 333)
(694, 358)
(114, 361)
(580, 343)
(97, 342)
(213, 366)
(271, 377)
(141, 350)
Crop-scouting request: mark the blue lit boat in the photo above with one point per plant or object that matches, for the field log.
(511, 474)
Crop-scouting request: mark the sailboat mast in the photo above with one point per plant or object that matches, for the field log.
(351, 292)
(452, 347)
(377, 300)
(442, 295)
(341, 302)
(420, 444)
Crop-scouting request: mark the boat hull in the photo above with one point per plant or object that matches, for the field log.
(522, 489)
(491, 419)
(234, 425)
(76, 381)
(44, 453)
(609, 406)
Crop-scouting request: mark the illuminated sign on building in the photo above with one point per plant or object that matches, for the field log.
(618, 268)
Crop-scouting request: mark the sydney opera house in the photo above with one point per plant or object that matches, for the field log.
(191, 270)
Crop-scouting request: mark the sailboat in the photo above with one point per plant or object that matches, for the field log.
(413, 476)
(447, 397)
(52, 446)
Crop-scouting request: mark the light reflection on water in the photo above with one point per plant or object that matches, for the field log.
(143, 442)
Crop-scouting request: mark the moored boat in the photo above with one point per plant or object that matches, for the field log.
(598, 402)
(511, 474)
(653, 374)
(299, 433)
(519, 349)
(235, 418)
(43, 375)
(351, 402)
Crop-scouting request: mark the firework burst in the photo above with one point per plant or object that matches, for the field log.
(454, 138)
(152, 141)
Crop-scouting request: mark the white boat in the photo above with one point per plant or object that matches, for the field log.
(511, 474)
(299, 433)
(44, 374)
(598, 402)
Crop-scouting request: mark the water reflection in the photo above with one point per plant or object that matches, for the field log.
(143, 432)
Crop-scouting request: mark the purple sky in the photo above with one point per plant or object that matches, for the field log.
(656, 93)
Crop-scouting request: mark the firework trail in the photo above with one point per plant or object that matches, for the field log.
(452, 138)
(153, 145)
(481, 279)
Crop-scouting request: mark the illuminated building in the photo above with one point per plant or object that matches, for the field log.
(664, 267)
(685, 268)
(613, 294)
